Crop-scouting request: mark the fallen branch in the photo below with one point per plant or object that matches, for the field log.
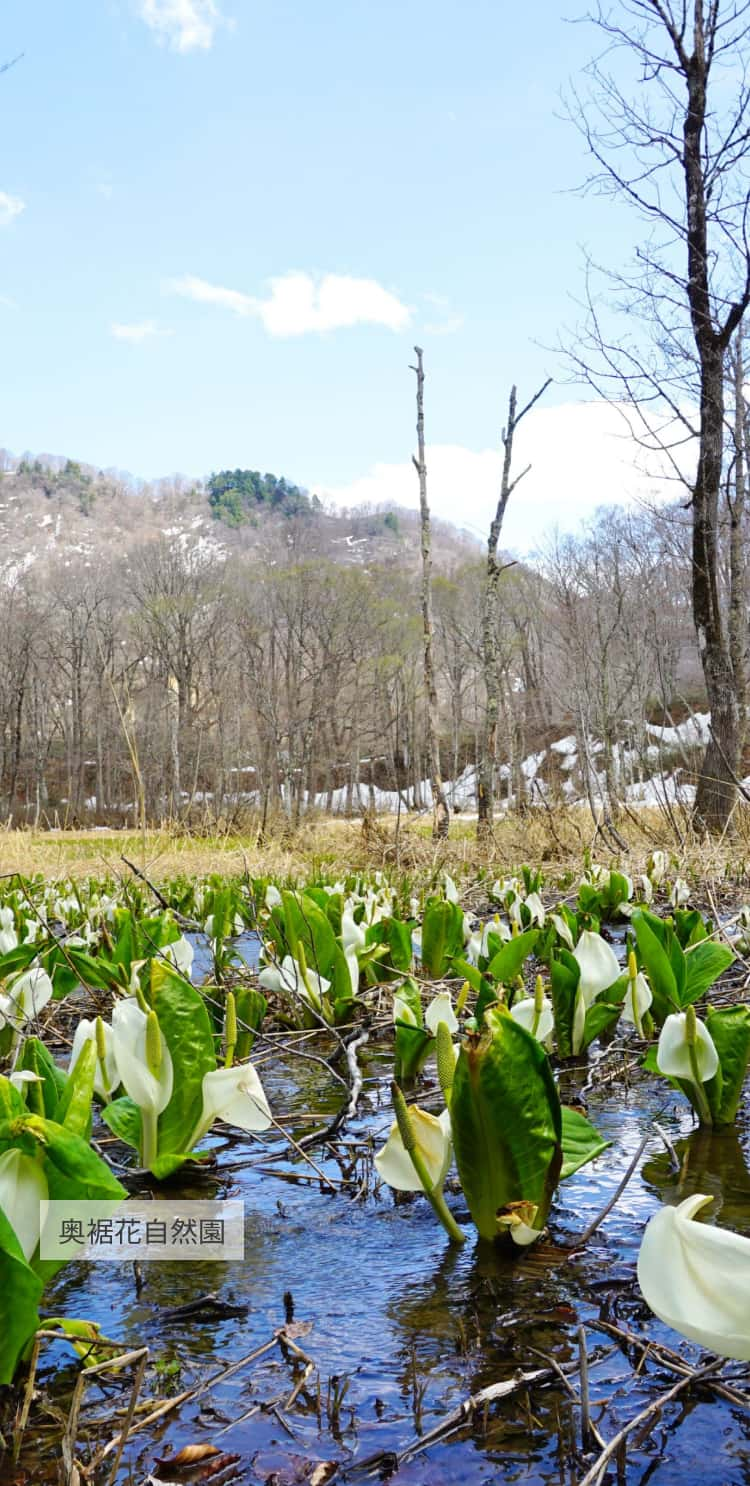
(593, 1475)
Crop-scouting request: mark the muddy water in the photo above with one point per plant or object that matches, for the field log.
(409, 1327)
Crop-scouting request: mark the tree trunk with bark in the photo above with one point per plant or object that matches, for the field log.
(440, 817)
(488, 740)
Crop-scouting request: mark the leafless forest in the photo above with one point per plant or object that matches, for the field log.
(156, 660)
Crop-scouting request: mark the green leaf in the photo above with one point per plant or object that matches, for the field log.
(565, 973)
(73, 1170)
(730, 1030)
(20, 1294)
(658, 966)
(506, 964)
(35, 1058)
(703, 966)
(442, 936)
(307, 924)
(396, 936)
(411, 1051)
(506, 1121)
(580, 1142)
(95, 971)
(341, 981)
(164, 1166)
(124, 1120)
(74, 1107)
(605, 1011)
(251, 1009)
(185, 1023)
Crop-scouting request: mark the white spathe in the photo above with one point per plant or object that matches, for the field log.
(403, 1012)
(25, 997)
(86, 1032)
(696, 1278)
(643, 999)
(288, 979)
(598, 964)
(562, 929)
(180, 953)
(524, 1012)
(352, 933)
(235, 1095)
(440, 1009)
(23, 1188)
(433, 1140)
(673, 1052)
(150, 1091)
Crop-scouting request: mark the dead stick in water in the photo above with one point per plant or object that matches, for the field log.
(577, 1243)
(593, 1475)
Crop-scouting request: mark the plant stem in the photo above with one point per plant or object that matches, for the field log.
(149, 1137)
(700, 1100)
(436, 1200)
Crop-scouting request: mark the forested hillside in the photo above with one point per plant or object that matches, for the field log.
(190, 646)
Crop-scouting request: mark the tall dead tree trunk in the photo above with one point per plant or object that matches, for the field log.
(737, 619)
(717, 793)
(439, 806)
(488, 743)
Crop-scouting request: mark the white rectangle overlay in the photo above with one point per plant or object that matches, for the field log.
(198, 1232)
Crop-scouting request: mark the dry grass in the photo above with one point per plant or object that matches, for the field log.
(555, 840)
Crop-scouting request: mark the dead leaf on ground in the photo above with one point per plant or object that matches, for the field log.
(187, 1456)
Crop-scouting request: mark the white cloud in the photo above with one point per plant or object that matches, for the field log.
(186, 25)
(10, 208)
(581, 457)
(141, 330)
(299, 304)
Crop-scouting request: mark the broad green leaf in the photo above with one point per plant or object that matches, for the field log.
(442, 936)
(411, 1051)
(506, 1122)
(307, 924)
(580, 1142)
(74, 1107)
(690, 926)
(341, 981)
(251, 1009)
(95, 972)
(185, 1023)
(506, 964)
(396, 936)
(730, 1030)
(605, 1011)
(469, 972)
(35, 1058)
(73, 1170)
(657, 965)
(565, 973)
(703, 966)
(124, 1120)
(20, 1294)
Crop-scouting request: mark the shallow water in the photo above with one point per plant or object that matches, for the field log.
(415, 1326)
(245, 946)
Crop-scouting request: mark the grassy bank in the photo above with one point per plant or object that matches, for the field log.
(557, 841)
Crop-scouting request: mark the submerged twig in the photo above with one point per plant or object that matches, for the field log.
(584, 1237)
(593, 1476)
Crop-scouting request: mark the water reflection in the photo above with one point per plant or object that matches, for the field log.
(710, 1161)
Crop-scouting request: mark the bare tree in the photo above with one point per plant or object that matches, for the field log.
(677, 149)
(486, 762)
(439, 806)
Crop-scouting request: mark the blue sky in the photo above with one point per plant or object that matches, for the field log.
(165, 160)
